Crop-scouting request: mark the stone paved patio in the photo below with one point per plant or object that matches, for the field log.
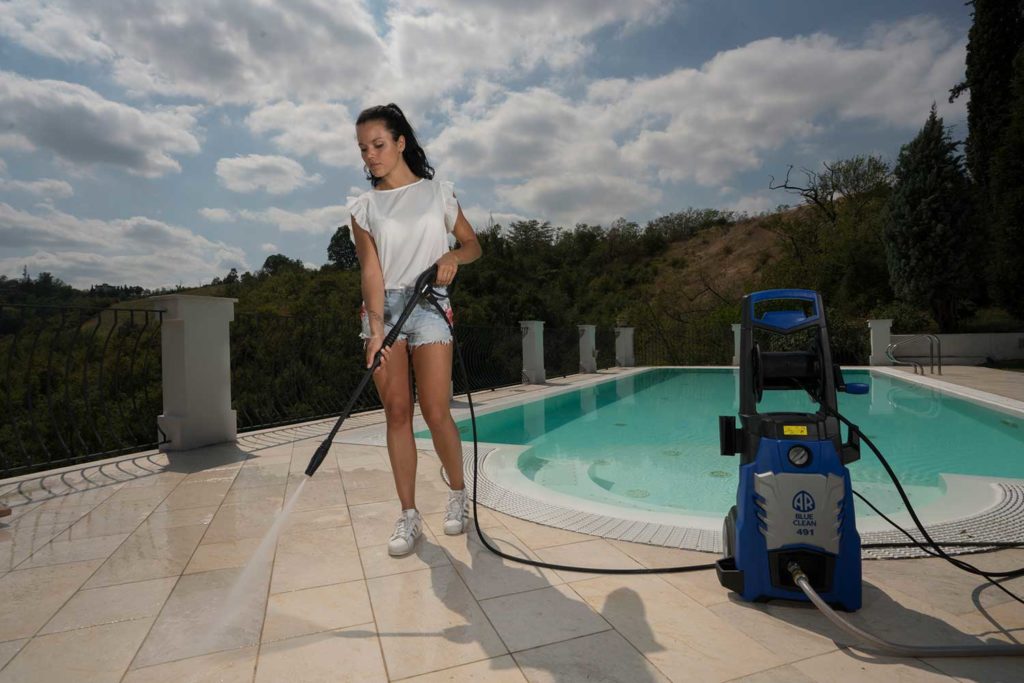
(123, 573)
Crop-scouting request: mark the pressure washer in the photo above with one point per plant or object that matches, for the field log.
(792, 533)
(795, 501)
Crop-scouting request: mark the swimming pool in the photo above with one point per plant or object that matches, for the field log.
(649, 441)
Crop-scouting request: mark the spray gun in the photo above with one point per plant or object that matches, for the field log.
(423, 284)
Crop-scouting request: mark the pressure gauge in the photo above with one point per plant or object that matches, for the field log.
(799, 456)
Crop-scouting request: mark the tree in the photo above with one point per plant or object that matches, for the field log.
(926, 237)
(341, 251)
(995, 37)
(1007, 182)
(232, 277)
(279, 263)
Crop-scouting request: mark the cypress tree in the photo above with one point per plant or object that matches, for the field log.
(926, 236)
(1008, 203)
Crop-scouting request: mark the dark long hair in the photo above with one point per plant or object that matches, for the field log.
(398, 125)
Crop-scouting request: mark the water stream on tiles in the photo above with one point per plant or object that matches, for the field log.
(240, 608)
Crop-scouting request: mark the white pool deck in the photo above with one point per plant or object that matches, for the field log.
(115, 572)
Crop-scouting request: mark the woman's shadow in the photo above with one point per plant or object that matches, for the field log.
(577, 643)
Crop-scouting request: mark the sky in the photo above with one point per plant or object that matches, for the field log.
(164, 143)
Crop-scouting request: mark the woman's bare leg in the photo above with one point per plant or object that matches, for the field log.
(433, 366)
(393, 386)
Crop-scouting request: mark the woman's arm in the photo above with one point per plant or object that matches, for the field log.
(469, 250)
(371, 279)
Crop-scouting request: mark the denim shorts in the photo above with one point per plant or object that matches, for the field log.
(423, 326)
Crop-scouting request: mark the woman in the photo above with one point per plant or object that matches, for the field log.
(401, 228)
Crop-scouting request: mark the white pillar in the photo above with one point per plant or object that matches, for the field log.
(624, 357)
(195, 343)
(588, 348)
(736, 344)
(533, 352)
(881, 337)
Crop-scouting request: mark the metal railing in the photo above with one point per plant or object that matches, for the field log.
(493, 356)
(934, 353)
(561, 351)
(605, 341)
(286, 370)
(684, 345)
(77, 384)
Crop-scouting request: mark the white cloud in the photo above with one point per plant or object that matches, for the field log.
(268, 248)
(227, 51)
(323, 220)
(435, 46)
(758, 202)
(273, 174)
(323, 130)
(44, 187)
(706, 125)
(82, 127)
(579, 198)
(480, 217)
(87, 251)
(15, 142)
(217, 215)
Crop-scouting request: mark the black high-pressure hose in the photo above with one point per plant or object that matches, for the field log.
(424, 289)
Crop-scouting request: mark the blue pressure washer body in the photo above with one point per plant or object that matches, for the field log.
(794, 501)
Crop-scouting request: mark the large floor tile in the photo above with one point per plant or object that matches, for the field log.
(67, 548)
(428, 620)
(224, 555)
(208, 612)
(234, 522)
(377, 561)
(541, 617)
(9, 649)
(597, 553)
(167, 519)
(317, 492)
(100, 654)
(17, 543)
(313, 610)
(349, 655)
(197, 494)
(30, 597)
(844, 666)
(272, 495)
(685, 640)
(935, 580)
(317, 557)
(601, 658)
(319, 518)
(781, 628)
(149, 553)
(488, 575)
(112, 517)
(256, 473)
(234, 666)
(497, 670)
(124, 602)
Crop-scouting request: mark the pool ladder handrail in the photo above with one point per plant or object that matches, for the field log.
(934, 353)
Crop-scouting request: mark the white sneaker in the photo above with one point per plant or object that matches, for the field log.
(407, 530)
(456, 513)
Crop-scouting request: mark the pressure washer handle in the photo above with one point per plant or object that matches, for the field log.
(423, 283)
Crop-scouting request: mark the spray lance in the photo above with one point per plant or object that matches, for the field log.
(423, 283)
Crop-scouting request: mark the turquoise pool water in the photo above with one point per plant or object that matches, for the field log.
(650, 441)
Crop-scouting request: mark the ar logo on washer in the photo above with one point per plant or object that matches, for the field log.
(803, 502)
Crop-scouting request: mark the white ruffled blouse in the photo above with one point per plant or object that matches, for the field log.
(410, 226)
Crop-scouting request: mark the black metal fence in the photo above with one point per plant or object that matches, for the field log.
(703, 344)
(605, 340)
(76, 384)
(292, 369)
(561, 351)
(493, 357)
